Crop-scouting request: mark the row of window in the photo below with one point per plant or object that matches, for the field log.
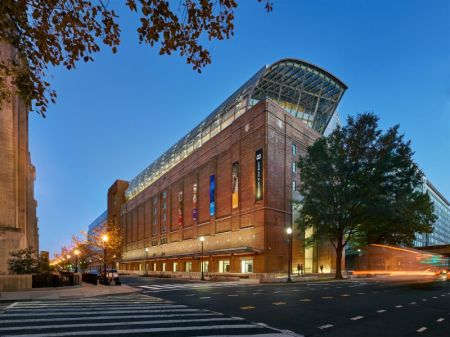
(223, 266)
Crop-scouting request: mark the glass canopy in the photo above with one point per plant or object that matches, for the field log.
(305, 91)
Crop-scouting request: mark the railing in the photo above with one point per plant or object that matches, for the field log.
(55, 280)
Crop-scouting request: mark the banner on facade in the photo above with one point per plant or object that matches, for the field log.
(259, 175)
(235, 185)
(194, 203)
(212, 196)
(180, 208)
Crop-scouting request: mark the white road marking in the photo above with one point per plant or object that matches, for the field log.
(412, 303)
(345, 295)
(357, 318)
(232, 295)
(327, 297)
(89, 313)
(305, 300)
(434, 297)
(424, 299)
(204, 297)
(439, 320)
(399, 306)
(136, 331)
(325, 326)
(422, 329)
(381, 311)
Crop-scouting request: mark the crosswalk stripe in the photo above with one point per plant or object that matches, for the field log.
(128, 315)
(135, 331)
(146, 322)
(92, 318)
(87, 313)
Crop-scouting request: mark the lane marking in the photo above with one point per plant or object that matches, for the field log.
(381, 311)
(248, 307)
(399, 306)
(439, 320)
(357, 318)
(233, 295)
(346, 295)
(305, 300)
(279, 303)
(412, 303)
(89, 313)
(424, 299)
(422, 329)
(325, 326)
(361, 293)
(204, 297)
(327, 297)
(434, 297)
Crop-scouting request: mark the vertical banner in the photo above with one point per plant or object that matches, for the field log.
(194, 203)
(180, 208)
(235, 185)
(259, 175)
(212, 196)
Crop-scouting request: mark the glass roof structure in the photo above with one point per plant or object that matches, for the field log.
(304, 90)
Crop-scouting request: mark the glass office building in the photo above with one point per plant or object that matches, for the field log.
(441, 228)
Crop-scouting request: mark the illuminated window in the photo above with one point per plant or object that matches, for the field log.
(164, 266)
(205, 266)
(224, 266)
(294, 167)
(246, 266)
(188, 266)
(175, 266)
(154, 266)
(294, 186)
(294, 149)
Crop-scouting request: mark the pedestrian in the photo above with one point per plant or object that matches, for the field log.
(298, 269)
(321, 268)
(301, 269)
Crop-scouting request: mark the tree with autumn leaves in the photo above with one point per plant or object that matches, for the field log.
(90, 247)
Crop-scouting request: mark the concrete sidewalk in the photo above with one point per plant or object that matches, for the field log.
(83, 291)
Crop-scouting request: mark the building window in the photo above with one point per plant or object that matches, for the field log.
(294, 167)
(205, 266)
(175, 266)
(294, 149)
(154, 266)
(163, 211)
(188, 267)
(224, 266)
(164, 266)
(246, 266)
(154, 242)
(163, 241)
(294, 186)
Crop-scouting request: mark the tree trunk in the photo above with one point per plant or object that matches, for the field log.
(338, 275)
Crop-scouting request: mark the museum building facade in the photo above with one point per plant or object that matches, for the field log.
(231, 182)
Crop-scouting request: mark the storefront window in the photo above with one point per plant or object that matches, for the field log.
(224, 266)
(205, 266)
(164, 266)
(246, 266)
(175, 266)
(188, 266)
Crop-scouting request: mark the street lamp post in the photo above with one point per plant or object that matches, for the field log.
(68, 262)
(145, 262)
(76, 252)
(105, 239)
(289, 232)
(202, 239)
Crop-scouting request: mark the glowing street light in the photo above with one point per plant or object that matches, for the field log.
(289, 232)
(76, 252)
(145, 262)
(104, 239)
(202, 239)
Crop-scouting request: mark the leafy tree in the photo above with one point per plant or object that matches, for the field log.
(62, 32)
(23, 261)
(361, 184)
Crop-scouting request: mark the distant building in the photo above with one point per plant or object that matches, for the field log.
(441, 228)
(18, 221)
(99, 222)
(231, 180)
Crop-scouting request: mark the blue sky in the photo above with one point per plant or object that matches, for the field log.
(115, 116)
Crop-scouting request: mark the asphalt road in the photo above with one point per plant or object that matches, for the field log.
(346, 308)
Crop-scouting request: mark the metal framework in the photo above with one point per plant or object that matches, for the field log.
(304, 90)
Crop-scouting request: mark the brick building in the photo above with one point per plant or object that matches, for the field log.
(18, 221)
(231, 180)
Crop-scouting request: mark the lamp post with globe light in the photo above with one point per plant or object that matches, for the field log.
(202, 239)
(76, 252)
(104, 239)
(289, 232)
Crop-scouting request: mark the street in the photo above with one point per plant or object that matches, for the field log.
(346, 308)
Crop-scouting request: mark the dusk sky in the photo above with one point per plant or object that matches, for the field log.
(116, 115)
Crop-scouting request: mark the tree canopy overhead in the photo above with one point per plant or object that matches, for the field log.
(62, 32)
(361, 184)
